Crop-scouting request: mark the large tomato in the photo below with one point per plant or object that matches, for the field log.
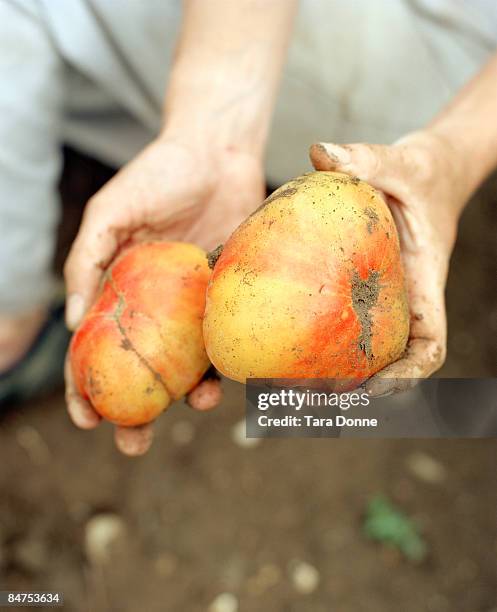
(310, 286)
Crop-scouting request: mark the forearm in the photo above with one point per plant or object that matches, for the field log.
(469, 126)
(226, 71)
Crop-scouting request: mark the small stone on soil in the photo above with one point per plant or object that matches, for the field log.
(426, 468)
(239, 437)
(224, 602)
(102, 532)
(305, 577)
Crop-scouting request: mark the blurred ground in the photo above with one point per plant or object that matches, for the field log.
(201, 515)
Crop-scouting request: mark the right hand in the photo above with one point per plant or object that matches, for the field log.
(424, 183)
(172, 191)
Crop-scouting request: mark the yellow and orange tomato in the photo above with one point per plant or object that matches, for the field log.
(310, 286)
(140, 346)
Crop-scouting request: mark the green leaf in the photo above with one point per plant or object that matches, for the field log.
(387, 524)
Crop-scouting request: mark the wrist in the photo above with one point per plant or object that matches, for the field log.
(468, 125)
(211, 146)
(466, 169)
(204, 130)
(444, 163)
(212, 139)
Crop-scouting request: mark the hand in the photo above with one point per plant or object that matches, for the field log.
(423, 182)
(174, 191)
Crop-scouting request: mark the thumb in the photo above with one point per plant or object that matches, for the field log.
(90, 254)
(382, 166)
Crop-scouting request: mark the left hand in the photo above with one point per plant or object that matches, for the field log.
(172, 190)
(423, 181)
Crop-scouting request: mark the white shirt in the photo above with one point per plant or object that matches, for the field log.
(92, 73)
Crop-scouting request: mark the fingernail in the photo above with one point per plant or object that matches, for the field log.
(75, 309)
(336, 153)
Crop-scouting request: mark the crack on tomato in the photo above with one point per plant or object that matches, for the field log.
(126, 344)
(364, 297)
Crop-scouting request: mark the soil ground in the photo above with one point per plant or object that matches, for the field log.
(201, 515)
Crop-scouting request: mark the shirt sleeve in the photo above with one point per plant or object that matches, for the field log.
(31, 103)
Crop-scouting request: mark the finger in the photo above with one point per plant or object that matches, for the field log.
(134, 441)
(382, 166)
(206, 395)
(81, 412)
(91, 252)
(422, 358)
(426, 348)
